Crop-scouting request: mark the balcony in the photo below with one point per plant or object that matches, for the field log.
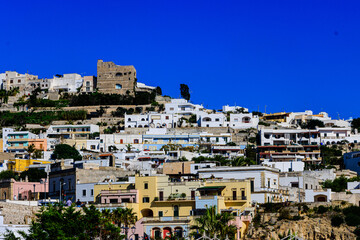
(235, 199)
(18, 140)
(173, 199)
(166, 219)
(17, 147)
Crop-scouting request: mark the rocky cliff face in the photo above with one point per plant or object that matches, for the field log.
(307, 228)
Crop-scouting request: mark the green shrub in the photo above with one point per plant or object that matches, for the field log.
(352, 219)
(284, 214)
(337, 220)
(322, 209)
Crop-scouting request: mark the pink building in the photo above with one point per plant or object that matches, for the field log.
(119, 196)
(26, 190)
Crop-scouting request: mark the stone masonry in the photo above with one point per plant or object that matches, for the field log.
(113, 78)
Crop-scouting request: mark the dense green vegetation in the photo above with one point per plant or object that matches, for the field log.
(184, 91)
(58, 223)
(355, 124)
(64, 151)
(339, 184)
(97, 98)
(33, 174)
(8, 174)
(312, 124)
(332, 156)
(44, 118)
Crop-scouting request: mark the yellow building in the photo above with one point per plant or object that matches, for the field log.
(166, 206)
(20, 165)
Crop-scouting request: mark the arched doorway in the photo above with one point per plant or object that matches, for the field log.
(147, 212)
(166, 232)
(156, 233)
(320, 198)
(178, 232)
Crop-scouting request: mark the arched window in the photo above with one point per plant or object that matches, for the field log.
(143, 119)
(118, 86)
(207, 119)
(119, 74)
(246, 120)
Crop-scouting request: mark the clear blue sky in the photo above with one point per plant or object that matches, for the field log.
(288, 55)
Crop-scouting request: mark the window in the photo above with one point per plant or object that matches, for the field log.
(167, 117)
(196, 167)
(252, 185)
(114, 200)
(93, 146)
(176, 211)
(11, 81)
(121, 141)
(306, 186)
(118, 86)
(19, 81)
(146, 199)
(136, 141)
(161, 213)
(92, 192)
(217, 119)
(84, 193)
(146, 186)
(171, 109)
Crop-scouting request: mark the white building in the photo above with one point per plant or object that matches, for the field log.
(234, 109)
(66, 83)
(182, 107)
(312, 195)
(264, 181)
(270, 137)
(152, 120)
(353, 187)
(331, 135)
(286, 166)
(120, 141)
(213, 120)
(25, 82)
(215, 139)
(143, 87)
(243, 120)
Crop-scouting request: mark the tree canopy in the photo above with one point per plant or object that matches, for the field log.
(33, 174)
(8, 174)
(313, 123)
(214, 224)
(355, 124)
(57, 223)
(184, 91)
(64, 151)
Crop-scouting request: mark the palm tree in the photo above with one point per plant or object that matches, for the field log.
(129, 217)
(213, 223)
(31, 149)
(125, 217)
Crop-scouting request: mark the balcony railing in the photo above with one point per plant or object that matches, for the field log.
(165, 219)
(168, 199)
(235, 198)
